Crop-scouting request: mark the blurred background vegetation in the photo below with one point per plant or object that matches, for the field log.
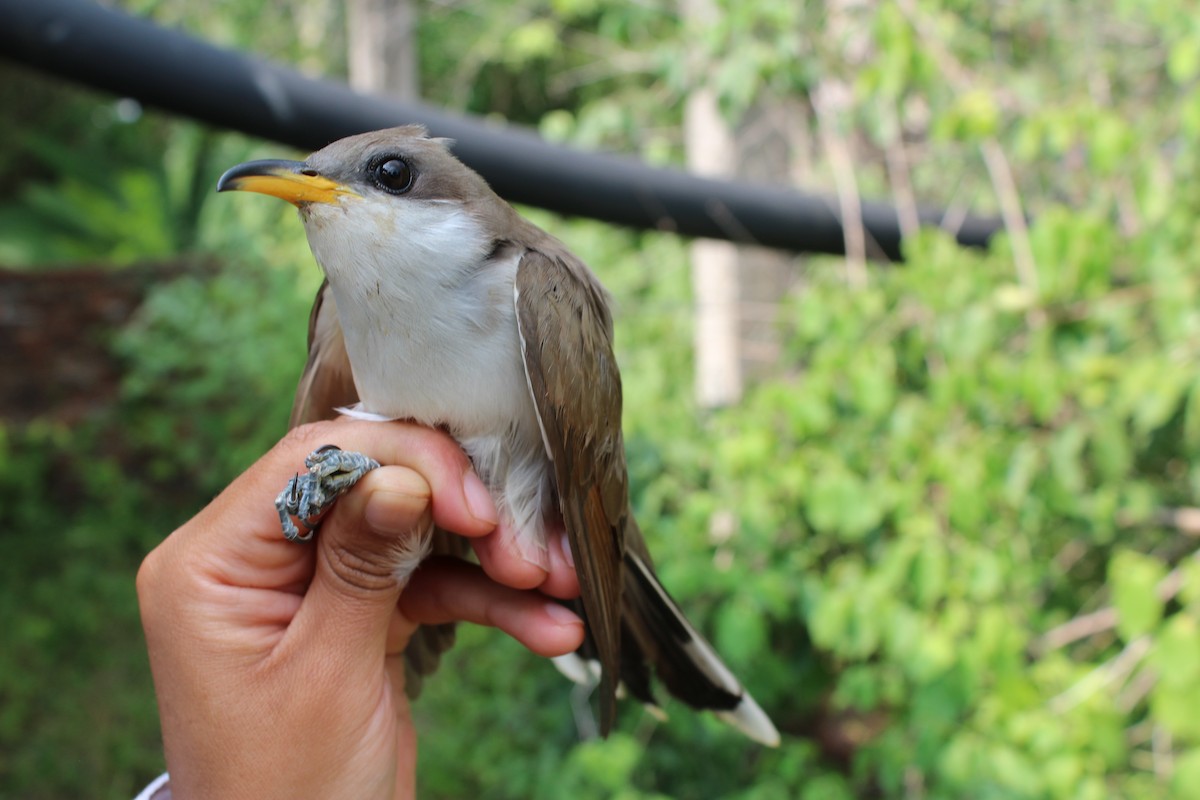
(946, 534)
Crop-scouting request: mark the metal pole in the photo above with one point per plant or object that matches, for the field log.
(112, 51)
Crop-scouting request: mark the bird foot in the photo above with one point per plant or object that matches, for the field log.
(332, 472)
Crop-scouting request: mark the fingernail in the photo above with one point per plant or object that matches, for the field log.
(562, 615)
(531, 551)
(479, 499)
(393, 511)
(565, 544)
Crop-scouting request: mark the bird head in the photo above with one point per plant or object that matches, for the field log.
(382, 200)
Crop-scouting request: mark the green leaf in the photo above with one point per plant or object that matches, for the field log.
(1189, 113)
(829, 786)
(741, 630)
(606, 763)
(1110, 142)
(930, 571)
(533, 40)
(1134, 579)
(1174, 707)
(841, 503)
(1176, 654)
(1189, 593)
(1183, 59)
(1110, 448)
(974, 115)
(1186, 776)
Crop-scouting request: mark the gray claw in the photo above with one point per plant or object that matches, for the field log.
(331, 473)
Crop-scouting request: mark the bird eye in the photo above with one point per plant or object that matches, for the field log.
(392, 175)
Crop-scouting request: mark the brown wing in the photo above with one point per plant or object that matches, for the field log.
(566, 338)
(327, 384)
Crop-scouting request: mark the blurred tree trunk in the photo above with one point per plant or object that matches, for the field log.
(382, 47)
(737, 288)
(710, 151)
(774, 147)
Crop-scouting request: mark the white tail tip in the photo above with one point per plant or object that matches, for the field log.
(752, 721)
(584, 672)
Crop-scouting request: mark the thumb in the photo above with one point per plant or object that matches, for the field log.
(367, 548)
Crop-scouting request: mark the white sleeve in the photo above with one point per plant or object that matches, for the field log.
(159, 789)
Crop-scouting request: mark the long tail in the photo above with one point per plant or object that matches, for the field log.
(655, 633)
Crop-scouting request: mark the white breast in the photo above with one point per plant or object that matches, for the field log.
(432, 336)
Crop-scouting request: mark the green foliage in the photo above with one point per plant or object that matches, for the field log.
(946, 451)
(207, 390)
(91, 197)
(92, 213)
(209, 371)
(73, 662)
(1134, 579)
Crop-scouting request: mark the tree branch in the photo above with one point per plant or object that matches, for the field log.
(849, 202)
(1104, 619)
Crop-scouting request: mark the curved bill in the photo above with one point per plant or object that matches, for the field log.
(293, 181)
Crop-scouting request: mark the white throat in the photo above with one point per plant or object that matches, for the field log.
(414, 295)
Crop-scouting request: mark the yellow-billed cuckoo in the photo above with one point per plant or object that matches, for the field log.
(444, 306)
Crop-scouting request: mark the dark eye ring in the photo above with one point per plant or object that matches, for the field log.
(392, 174)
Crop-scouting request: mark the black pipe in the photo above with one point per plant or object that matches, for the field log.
(109, 50)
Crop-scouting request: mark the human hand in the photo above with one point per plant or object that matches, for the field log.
(279, 667)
